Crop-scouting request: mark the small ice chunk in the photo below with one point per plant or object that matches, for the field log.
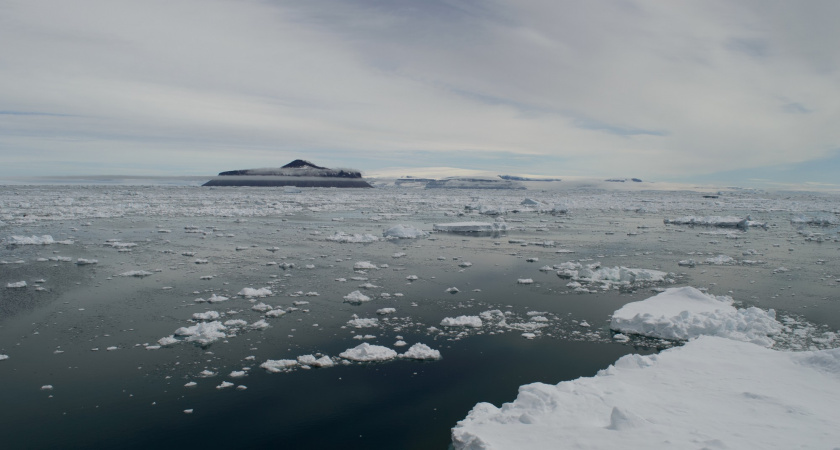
(404, 232)
(421, 351)
(16, 285)
(462, 321)
(356, 298)
(384, 311)
(525, 281)
(252, 293)
(209, 315)
(224, 385)
(366, 352)
(279, 365)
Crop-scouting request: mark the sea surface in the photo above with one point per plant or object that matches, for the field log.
(92, 334)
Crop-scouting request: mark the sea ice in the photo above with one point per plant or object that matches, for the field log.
(421, 351)
(136, 273)
(470, 227)
(404, 232)
(279, 365)
(366, 352)
(252, 293)
(686, 312)
(710, 393)
(462, 321)
(353, 238)
(16, 285)
(203, 333)
(356, 298)
(209, 315)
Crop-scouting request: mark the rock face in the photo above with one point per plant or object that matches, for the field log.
(297, 173)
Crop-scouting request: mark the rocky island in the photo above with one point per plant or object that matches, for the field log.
(298, 173)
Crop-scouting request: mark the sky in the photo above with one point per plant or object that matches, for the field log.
(725, 91)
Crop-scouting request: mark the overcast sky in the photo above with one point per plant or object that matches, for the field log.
(663, 90)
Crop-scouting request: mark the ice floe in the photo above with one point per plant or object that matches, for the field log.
(711, 393)
(686, 312)
(356, 298)
(404, 232)
(462, 321)
(353, 238)
(254, 293)
(470, 227)
(366, 352)
(422, 352)
(203, 333)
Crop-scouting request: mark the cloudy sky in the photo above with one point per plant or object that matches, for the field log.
(663, 90)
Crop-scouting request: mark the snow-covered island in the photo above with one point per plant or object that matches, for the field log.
(298, 173)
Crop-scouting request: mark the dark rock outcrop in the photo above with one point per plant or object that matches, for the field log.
(298, 173)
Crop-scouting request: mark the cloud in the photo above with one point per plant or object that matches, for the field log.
(650, 89)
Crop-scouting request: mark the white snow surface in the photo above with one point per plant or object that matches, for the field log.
(366, 352)
(686, 312)
(356, 298)
(204, 333)
(251, 292)
(404, 232)
(710, 393)
(421, 351)
(462, 321)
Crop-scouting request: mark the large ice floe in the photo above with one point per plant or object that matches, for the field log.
(710, 393)
(684, 313)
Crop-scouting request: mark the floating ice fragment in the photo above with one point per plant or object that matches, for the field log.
(462, 321)
(252, 293)
(86, 262)
(353, 238)
(16, 285)
(136, 273)
(686, 312)
(203, 333)
(260, 325)
(525, 281)
(453, 290)
(364, 265)
(363, 323)
(275, 313)
(356, 298)
(421, 351)
(384, 311)
(470, 227)
(404, 232)
(4, 357)
(279, 365)
(191, 384)
(261, 307)
(209, 315)
(366, 352)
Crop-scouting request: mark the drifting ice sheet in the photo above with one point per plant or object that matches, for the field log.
(686, 312)
(711, 393)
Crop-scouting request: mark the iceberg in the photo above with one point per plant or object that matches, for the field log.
(298, 173)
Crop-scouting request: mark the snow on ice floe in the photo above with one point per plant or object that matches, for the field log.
(366, 353)
(726, 394)
(404, 232)
(356, 322)
(313, 361)
(364, 265)
(422, 352)
(462, 321)
(686, 312)
(209, 315)
(609, 277)
(470, 227)
(717, 221)
(279, 365)
(136, 274)
(254, 293)
(35, 240)
(345, 238)
(203, 333)
(356, 298)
